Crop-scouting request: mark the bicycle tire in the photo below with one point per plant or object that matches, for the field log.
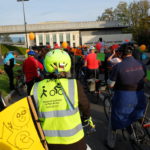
(107, 107)
(147, 130)
(94, 97)
(20, 85)
(125, 135)
(138, 130)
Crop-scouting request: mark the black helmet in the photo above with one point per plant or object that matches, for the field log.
(126, 48)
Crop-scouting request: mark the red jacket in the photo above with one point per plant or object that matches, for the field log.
(92, 62)
(30, 68)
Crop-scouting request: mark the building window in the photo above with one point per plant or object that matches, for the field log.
(61, 37)
(54, 38)
(41, 39)
(68, 37)
(47, 38)
(74, 37)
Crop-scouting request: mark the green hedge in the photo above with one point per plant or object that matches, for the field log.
(4, 80)
(6, 48)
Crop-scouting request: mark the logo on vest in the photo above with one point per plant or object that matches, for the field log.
(57, 90)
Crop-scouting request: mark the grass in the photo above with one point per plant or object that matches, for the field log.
(4, 80)
(6, 48)
(4, 83)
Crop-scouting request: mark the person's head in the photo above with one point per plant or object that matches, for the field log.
(100, 39)
(15, 53)
(57, 62)
(92, 49)
(125, 50)
(31, 53)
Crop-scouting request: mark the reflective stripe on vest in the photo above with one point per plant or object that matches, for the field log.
(35, 93)
(63, 133)
(60, 113)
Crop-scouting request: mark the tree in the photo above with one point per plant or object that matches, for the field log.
(5, 38)
(108, 15)
(121, 13)
(134, 15)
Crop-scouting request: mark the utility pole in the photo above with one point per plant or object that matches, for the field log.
(25, 23)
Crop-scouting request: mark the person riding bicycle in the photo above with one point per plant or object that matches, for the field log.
(58, 101)
(31, 68)
(92, 64)
(128, 102)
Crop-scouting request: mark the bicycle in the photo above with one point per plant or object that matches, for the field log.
(20, 85)
(108, 94)
(94, 88)
(140, 129)
(2, 103)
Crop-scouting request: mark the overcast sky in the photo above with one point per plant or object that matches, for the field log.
(11, 11)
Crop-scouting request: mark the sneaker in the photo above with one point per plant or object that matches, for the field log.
(111, 139)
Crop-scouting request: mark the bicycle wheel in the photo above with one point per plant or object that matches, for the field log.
(125, 134)
(147, 130)
(93, 97)
(20, 85)
(96, 98)
(137, 133)
(107, 107)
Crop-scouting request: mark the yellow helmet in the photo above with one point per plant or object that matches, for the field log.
(57, 60)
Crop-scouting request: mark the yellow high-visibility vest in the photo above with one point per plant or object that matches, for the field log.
(58, 110)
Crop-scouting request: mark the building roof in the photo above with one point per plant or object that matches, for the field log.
(61, 26)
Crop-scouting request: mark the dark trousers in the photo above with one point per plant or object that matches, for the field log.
(31, 83)
(29, 86)
(10, 74)
(92, 73)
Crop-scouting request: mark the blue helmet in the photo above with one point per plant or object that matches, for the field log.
(31, 52)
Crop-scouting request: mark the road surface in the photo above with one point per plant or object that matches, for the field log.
(97, 140)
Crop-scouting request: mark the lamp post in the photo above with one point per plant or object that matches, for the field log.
(25, 24)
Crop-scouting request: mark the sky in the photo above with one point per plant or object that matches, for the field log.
(37, 11)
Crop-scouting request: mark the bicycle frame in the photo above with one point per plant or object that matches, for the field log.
(2, 103)
(139, 129)
(146, 125)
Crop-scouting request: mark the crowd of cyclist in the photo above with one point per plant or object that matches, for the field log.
(122, 68)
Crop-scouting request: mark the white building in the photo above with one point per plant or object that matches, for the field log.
(75, 33)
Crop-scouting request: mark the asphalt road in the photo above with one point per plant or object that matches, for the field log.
(97, 140)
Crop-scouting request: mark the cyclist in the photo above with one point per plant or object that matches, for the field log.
(92, 64)
(9, 62)
(31, 68)
(128, 102)
(57, 100)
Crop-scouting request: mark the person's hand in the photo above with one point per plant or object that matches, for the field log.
(89, 126)
(114, 52)
(18, 64)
